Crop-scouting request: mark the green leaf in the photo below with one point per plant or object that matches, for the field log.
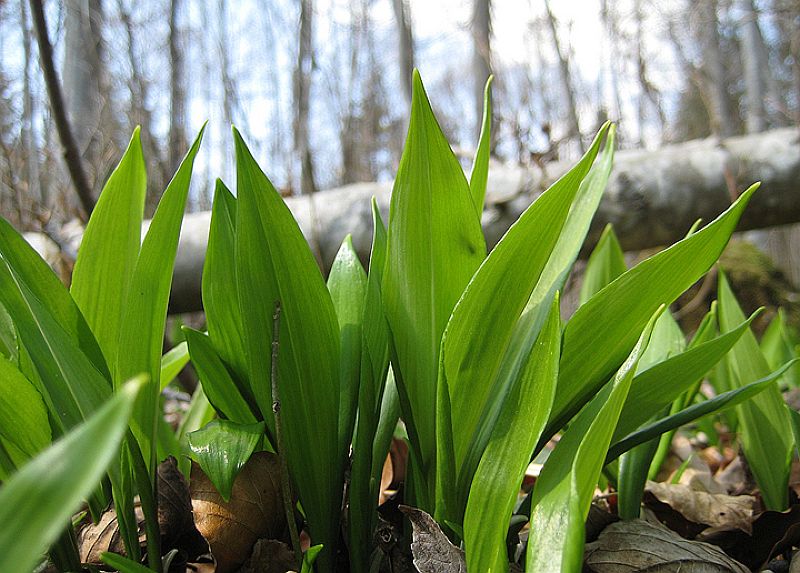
(480, 165)
(274, 263)
(779, 345)
(601, 332)
(309, 557)
(634, 466)
(200, 413)
(110, 248)
(222, 448)
(141, 333)
(220, 293)
(765, 430)
(605, 264)
(347, 284)
(23, 415)
(435, 244)
(173, 362)
(31, 269)
(692, 413)
(69, 383)
(497, 480)
(655, 388)
(8, 336)
(489, 336)
(217, 383)
(564, 490)
(49, 489)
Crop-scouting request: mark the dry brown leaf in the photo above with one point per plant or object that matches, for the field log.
(270, 556)
(433, 552)
(637, 547)
(254, 511)
(713, 510)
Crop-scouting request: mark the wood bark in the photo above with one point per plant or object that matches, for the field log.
(715, 84)
(72, 154)
(405, 45)
(178, 143)
(752, 62)
(302, 97)
(652, 199)
(481, 54)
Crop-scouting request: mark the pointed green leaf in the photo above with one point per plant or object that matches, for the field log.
(31, 269)
(601, 332)
(655, 388)
(497, 480)
(605, 264)
(765, 429)
(435, 244)
(217, 383)
(145, 310)
(123, 564)
(109, 249)
(779, 345)
(274, 263)
(692, 413)
(222, 448)
(564, 489)
(347, 284)
(220, 293)
(480, 165)
(480, 354)
(50, 488)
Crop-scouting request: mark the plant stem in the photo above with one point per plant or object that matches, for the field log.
(279, 447)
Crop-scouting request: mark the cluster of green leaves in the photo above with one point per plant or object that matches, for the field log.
(467, 348)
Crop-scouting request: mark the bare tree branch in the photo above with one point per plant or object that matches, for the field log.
(72, 156)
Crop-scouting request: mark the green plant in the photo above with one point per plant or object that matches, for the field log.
(468, 349)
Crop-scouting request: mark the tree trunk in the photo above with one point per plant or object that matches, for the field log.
(653, 197)
(565, 79)
(481, 25)
(178, 143)
(752, 62)
(405, 45)
(36, 192)
(302, 96)
(716, 87)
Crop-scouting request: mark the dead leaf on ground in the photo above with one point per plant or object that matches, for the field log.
(712, 510)
(254, 512)
(175, 522)
(773, 533)
(270, 556)
(639, 546)
(433, 552)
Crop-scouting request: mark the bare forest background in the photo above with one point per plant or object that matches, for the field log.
(321, 89)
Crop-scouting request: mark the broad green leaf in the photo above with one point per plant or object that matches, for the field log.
(145, 310)
(601, 332)
(692, 413)
(217, 383)
(8, 336)
(655, 388)
(274, 263)
(488, 336)
(220, 295)
(605, 264)
(564, 489)
(69, 383)
(173, 362)
(765, 429)
(497, 480)
(200, 413)
(23, 415)
(31, 269)
(49, 489)
(666, 341)
(109, 249)
(222, 448)
(309, 558)
(347, 284)
(373, 372)
(480, 165)
(435, 244)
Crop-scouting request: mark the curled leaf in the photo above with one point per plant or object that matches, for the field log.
(433, 552)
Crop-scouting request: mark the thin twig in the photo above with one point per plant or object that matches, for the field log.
(72, 156)
(279, 447)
